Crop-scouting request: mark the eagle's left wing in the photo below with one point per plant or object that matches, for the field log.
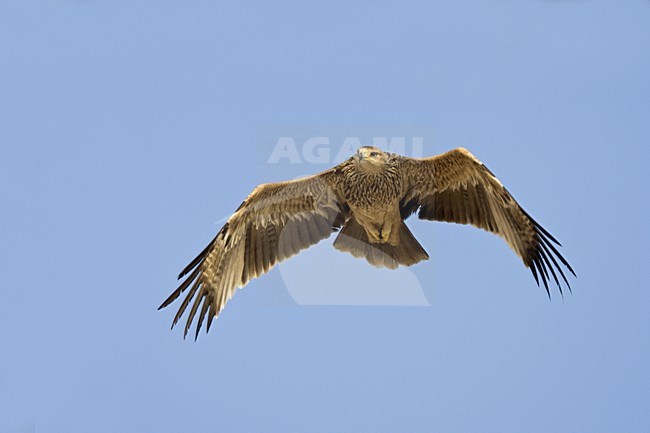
(275, 222)
(457, 187)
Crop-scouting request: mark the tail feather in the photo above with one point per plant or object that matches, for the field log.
(354, 240)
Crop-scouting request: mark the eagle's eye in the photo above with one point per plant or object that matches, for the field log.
(374, 154)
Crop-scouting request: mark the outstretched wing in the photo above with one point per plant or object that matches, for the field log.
(275, 222)
(457, 187)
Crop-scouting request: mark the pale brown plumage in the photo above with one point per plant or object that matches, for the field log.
(368, 197)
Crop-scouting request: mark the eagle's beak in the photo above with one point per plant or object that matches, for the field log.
(360, 156)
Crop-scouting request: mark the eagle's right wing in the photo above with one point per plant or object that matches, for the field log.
(456, 187)
(275, 222)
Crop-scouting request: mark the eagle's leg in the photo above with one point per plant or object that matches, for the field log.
(375, 233)
(384, 229)
(383, 234)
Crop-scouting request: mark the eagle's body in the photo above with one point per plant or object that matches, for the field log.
(367, 198)
(373, 197)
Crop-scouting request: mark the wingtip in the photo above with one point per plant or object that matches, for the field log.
(171, 298)
(572, 271)
(534, 272)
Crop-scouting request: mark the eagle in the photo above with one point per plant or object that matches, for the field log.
(366, 199)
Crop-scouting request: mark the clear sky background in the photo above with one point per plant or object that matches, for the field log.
(128, 130)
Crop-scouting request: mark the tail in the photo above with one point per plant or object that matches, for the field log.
(354, 240)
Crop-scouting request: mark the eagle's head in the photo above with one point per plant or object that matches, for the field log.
(371, 159)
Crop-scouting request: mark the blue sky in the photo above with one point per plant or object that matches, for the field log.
(130, 129)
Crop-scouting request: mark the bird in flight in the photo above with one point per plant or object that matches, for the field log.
(366, 199)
